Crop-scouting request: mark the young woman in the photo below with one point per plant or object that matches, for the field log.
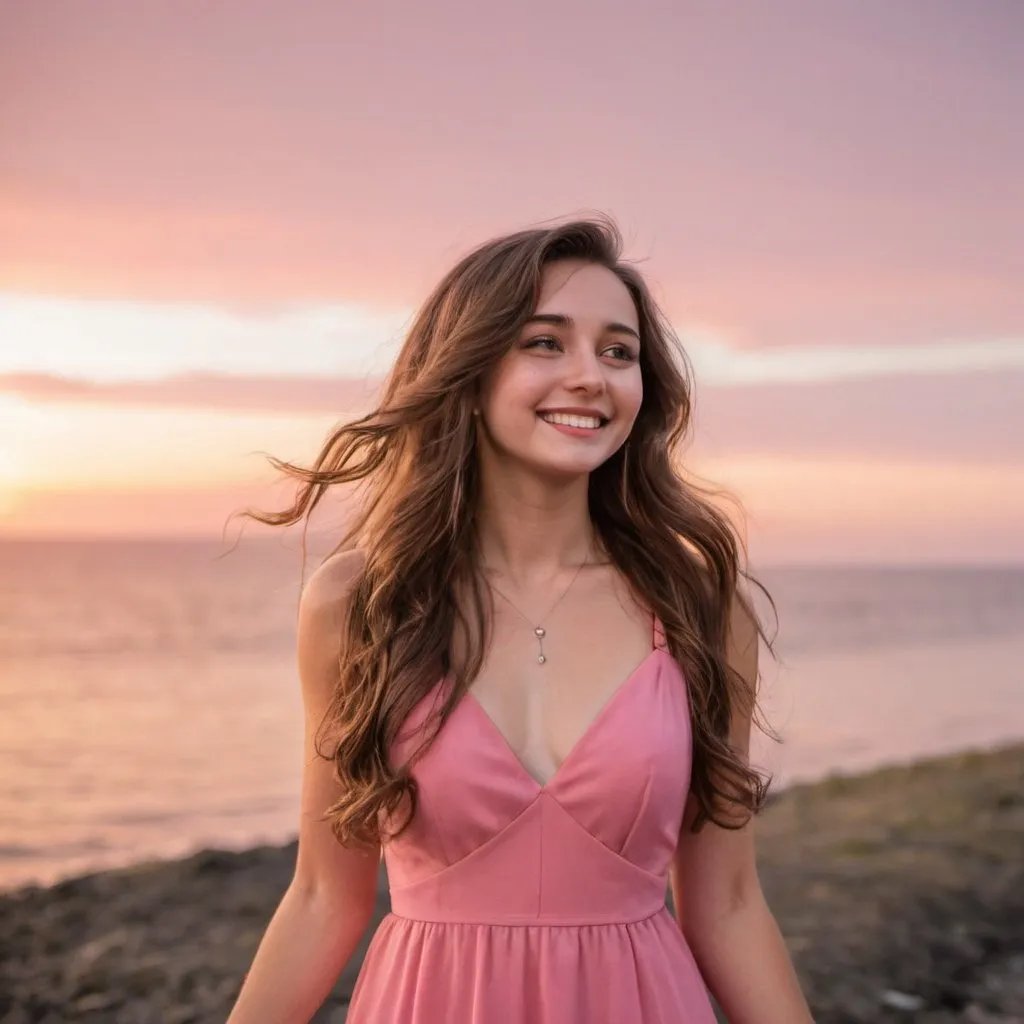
(529, 673)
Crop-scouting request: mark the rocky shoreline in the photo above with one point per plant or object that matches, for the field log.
(900, 893)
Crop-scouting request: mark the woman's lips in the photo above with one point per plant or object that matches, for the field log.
(573, 431)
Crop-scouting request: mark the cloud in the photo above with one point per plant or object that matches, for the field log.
(201, 391)
(116, 341)
(974, 415)
(112, 340)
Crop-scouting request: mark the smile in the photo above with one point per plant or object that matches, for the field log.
(572, 420)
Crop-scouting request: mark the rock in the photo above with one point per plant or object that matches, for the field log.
(96, 1001)
(902, 1001)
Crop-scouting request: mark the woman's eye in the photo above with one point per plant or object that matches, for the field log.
(625, 354)
(537, 341)
(620, 352)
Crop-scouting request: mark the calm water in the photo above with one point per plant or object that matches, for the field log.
(149, 703)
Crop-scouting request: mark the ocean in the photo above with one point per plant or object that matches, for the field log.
(149, 704)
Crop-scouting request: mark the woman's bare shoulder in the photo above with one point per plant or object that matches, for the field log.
(323, 612)
(331, 583)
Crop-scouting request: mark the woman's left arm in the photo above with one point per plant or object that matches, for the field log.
(719, 903)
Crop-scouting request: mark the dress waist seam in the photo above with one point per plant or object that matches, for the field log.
(566, 921)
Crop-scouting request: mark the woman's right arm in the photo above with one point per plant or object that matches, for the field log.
(330, 901)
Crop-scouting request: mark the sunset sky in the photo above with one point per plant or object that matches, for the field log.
(215, 220)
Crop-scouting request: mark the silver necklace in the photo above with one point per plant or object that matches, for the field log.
(538, 630)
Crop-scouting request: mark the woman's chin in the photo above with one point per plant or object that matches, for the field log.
(565, 466)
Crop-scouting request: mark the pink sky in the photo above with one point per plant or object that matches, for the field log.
(842, 178)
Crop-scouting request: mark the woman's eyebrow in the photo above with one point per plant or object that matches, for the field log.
(561, 320)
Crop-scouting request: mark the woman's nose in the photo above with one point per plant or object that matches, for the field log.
(585, 371)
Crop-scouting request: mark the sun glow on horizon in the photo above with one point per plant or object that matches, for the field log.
(72, 446)
(143, 458)
(78, 469)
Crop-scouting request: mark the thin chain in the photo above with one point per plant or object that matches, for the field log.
(538, 630)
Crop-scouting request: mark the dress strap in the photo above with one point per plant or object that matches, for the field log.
(659, 632)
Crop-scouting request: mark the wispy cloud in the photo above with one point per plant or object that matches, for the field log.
(111, 341)
(200, 391)
(804, 364)
(117, 343)
(974, 415)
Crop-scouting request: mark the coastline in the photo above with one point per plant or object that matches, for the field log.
(900, 892)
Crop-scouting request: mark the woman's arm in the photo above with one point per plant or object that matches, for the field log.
(330, 901)
(718, 897)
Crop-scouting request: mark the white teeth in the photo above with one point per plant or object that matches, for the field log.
(571, 420)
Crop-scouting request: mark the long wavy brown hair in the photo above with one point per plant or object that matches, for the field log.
(414, 457)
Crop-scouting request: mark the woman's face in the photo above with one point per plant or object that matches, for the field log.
(564, 398)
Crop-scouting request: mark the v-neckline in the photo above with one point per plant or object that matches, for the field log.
(580, 744)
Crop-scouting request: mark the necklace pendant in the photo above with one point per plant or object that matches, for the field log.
(539, 631)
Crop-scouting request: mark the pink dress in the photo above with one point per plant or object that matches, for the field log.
(514, 902)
